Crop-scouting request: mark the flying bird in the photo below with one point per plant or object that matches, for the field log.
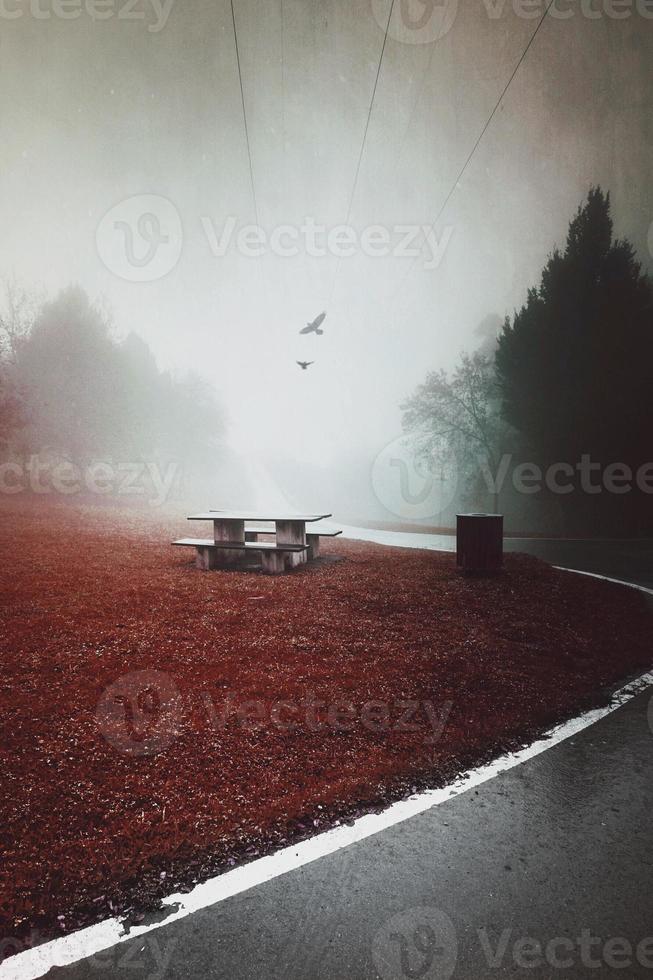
(314, 327)
(305, 364)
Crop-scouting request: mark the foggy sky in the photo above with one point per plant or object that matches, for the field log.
(95, 112)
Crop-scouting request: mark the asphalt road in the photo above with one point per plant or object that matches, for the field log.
(627, 559)
(548, 863)
(544, 871)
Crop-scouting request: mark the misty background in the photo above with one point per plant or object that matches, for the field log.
(97, 112)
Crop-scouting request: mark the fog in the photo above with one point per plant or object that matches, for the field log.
(96, 112)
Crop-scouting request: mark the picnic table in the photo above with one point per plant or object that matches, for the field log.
(236, 533)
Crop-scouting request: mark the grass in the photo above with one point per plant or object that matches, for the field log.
(161, 724)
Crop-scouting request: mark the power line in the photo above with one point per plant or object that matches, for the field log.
(365, 131)
(283, 82)
(478, 140)
(242, 98)
(369, 115)
(418, 97)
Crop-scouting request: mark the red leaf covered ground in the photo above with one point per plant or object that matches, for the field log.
(160, 723)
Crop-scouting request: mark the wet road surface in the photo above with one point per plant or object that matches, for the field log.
(544, 871)
(549, 863)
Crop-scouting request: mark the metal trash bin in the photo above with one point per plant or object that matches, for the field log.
(479, 543)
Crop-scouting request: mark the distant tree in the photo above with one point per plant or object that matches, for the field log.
(142, 400)
(194, 421)
(70, 369)
(488, 332)
(575, 365)
(18, 309)
(12, 407)
(91, 396)
(459, 416)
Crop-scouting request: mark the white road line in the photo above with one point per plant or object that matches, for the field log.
(36, 962)
(605, 578)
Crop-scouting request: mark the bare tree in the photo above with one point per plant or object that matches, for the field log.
(19, 307)
(459, 416)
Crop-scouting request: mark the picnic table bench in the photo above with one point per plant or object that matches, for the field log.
(313, 535)
(236, 533)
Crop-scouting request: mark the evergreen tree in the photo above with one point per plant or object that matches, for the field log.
(575, 366)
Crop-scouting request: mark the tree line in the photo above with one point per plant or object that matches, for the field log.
(551, 423)
(71, 388)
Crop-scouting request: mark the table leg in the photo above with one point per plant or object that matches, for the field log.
(225, 531)
(292, 532)
(205, 559)
(272, 562)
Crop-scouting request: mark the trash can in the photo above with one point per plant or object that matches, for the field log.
(479, 543)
